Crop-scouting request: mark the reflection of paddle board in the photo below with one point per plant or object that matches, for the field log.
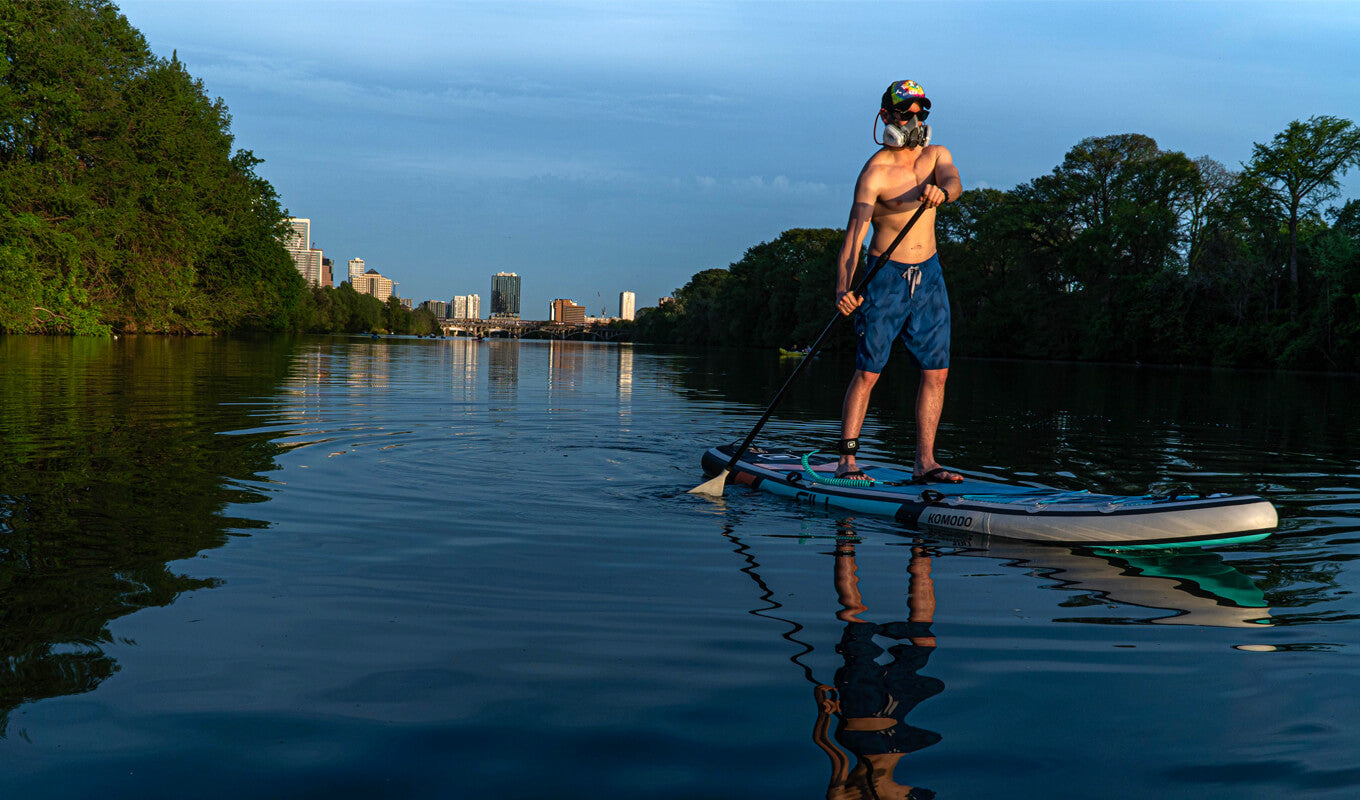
(1197, 585)
(1015, 511)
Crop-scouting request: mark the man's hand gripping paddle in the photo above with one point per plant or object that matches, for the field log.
(714, 486)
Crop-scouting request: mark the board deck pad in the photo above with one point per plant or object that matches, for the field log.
(1009, 509)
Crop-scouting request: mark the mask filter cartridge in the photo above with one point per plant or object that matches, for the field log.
(915, 136)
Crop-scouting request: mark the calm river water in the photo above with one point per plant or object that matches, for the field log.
(340, 567)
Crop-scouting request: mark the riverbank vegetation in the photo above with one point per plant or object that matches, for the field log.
(1124, 252)
(122, 202)
(123, 206)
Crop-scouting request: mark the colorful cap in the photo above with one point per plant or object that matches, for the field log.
(904, 93)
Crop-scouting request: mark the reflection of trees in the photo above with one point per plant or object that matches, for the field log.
(113, 465)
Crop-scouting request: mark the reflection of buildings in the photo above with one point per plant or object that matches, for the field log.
(564, 365)
(366, 365)
(463, 368)
(625, 382)
(502, 373)
(505, 295)
(627, 305)
(307, 378)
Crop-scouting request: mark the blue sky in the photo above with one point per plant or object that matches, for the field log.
(595, 147)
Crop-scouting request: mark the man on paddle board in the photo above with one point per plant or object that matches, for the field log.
(906, 299)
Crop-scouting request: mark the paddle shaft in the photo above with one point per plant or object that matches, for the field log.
(817, 345)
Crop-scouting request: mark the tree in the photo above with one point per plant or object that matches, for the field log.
(1300, 170)
(1208, 191)
(122, 203)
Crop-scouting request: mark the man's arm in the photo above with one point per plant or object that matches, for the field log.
(861, 217)
(948, 184)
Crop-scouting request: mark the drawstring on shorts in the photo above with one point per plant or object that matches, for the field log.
(912, 275)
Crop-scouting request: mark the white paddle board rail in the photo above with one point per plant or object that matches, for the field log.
(1014, 511)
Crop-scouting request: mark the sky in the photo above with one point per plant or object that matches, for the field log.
(598, 147)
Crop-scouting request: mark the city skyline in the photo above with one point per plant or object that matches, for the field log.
(310, 263)
(665, 160)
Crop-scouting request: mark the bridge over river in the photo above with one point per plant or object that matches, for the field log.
(535, 329)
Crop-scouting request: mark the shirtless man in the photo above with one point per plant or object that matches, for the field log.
(906, 300)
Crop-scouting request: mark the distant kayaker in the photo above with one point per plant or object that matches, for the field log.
(906, 300)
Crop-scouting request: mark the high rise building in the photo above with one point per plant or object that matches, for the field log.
(356, 271)
(627, 305)
(505, 295)
(327, 272)
(466, 306)
(372, 283)
(568, 313)
(438, 308)
(307, 259)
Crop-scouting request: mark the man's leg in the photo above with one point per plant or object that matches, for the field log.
(854, 408)
(929, 403)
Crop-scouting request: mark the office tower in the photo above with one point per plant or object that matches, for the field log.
(406, 302)
(373, 283)
(298, 239)
(306, 259)
(474, 306)
(568, 313)
(327, 272)
(356, 271)
(460, 307)
(627, 305)
(505, 295)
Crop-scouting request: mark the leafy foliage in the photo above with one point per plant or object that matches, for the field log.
(122, 204)
(1124, 252)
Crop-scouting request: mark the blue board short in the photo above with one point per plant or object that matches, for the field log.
(893, 310)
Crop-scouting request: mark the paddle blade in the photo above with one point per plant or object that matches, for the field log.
(713, 486)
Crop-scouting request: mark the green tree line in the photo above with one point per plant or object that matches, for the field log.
(1124, 252)
(123, 205)
(122, 202)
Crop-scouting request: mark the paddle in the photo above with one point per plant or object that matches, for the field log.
(714, 486)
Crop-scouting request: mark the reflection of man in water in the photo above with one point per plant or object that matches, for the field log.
(870, 700)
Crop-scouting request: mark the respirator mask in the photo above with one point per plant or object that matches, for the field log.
(903, 127)
(903, 130)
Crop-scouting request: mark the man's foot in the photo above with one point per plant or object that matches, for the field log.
(854, 475)
(847, 470)
(937, 475)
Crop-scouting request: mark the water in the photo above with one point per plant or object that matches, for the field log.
(412, 568)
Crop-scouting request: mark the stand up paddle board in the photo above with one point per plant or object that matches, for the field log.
(1013, 510)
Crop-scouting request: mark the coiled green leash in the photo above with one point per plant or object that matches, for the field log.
(818, 478)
